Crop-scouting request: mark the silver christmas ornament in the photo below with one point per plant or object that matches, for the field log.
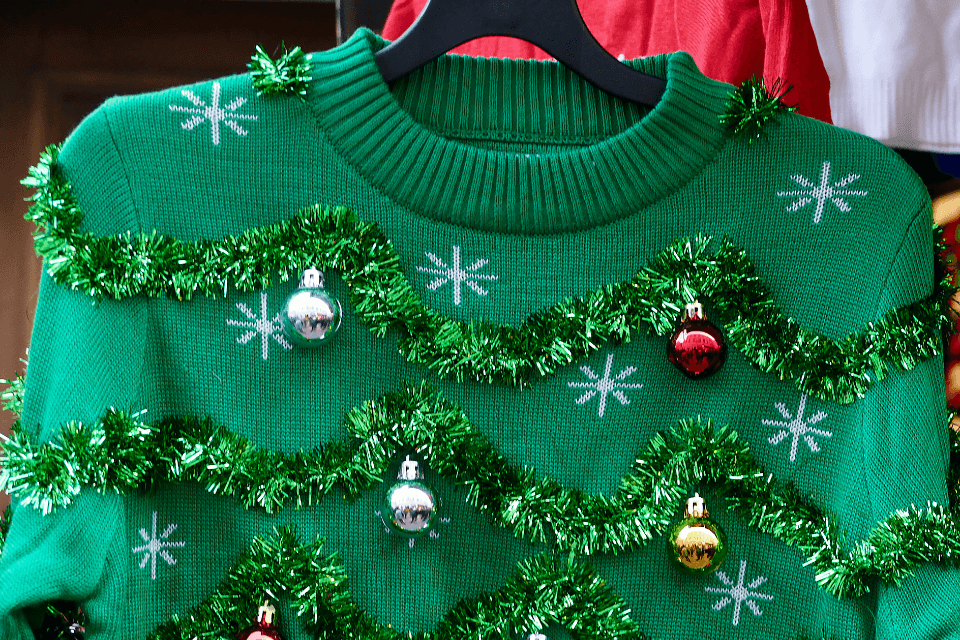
(537, 636)
(311, 316)
(411, 508)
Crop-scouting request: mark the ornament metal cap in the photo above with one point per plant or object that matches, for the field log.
(312, 278)
(695, 311)
(697, 507)
(265, 613)
(410, 470)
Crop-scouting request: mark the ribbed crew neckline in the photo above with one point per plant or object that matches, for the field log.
(395, 138)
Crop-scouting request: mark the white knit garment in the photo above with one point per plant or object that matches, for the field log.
(894, 68)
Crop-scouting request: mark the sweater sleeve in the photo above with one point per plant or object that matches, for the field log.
(791, 53)
(402, 14)
(906, 457)
(85, 357)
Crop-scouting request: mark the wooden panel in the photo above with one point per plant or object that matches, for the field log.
(62, 59)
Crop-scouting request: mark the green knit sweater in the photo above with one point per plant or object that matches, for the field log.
(489, 196)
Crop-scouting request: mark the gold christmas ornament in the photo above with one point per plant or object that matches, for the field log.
(697, 545)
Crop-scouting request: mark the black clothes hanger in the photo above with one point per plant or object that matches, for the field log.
(555, 26)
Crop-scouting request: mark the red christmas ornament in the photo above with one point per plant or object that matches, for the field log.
(953, 350)
(697, 348)
(62, 621)
(264, 628)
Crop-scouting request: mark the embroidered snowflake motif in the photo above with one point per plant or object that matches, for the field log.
(262, 325)
(213, 113)
(798, 427)
(822, 192)
(457, 275)
(606, 385)
(157, 546)
(740, 593)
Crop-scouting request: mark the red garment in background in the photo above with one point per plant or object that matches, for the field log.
(730, 40)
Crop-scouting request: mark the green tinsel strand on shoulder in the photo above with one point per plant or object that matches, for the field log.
(290, 73)
(751, 107)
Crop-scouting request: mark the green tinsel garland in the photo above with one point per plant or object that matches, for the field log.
(752, 107)
(334, 238)
(12, 399)
(290, 73)
(542, 591)
(13, 396)
(122, 454)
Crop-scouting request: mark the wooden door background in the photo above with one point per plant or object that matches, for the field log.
(60, 60)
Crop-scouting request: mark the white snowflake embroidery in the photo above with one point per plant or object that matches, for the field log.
(798, 427)
(739, 593)
(605, 385)
(822, 192)
(457, 275)
(262, 325)
(213, 113)
(157, 546)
